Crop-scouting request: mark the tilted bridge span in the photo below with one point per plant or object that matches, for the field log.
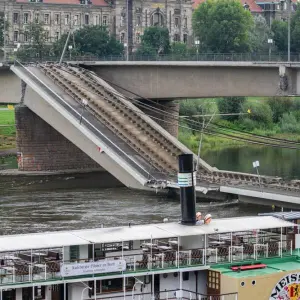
(122, 139)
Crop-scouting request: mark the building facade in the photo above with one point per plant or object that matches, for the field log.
(59, 16)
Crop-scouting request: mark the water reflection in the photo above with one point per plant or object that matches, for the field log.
(273, 161)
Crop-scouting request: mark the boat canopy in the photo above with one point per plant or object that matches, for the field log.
(136, 232)
(286, 215)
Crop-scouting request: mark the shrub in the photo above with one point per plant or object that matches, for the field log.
(260, 112)
(279, 106)
(230, 105)
(289, 123)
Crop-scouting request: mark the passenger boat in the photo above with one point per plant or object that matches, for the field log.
(233, 258)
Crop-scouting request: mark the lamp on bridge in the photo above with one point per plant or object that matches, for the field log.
(255, 166)
(197, 43)
(270, 42)
(70, 47)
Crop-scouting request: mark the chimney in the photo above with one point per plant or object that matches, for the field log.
(187, 189)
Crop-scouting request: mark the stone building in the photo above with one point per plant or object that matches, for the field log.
(59, 16)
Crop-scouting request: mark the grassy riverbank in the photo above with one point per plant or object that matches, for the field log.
(7, 129)
(277, 117)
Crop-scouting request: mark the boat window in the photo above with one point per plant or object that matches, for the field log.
(74, 252)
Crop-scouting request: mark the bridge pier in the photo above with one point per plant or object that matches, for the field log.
(165, 113)
(41, 148)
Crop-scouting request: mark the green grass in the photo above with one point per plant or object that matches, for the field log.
(7, 134)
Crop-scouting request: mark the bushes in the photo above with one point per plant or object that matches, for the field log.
(279, 106)
(260, 113)
(289, 123)
(231, 105)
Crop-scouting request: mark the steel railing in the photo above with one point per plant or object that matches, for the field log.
(226, 57)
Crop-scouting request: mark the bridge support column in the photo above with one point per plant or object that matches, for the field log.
(41, 148)
(165, 113)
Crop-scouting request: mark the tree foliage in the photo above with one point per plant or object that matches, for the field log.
(279, 106)
(92, 40)
(231, 105)
(38, 45)
(260, 34)
(280, 29)
(222, 26)
(155, 40)
(295, 31)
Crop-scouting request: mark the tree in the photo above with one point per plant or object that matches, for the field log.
(260, 34)
(279, 106)
(3, 27)
(280, 29)
(93, 40)
(155, 40)
(295, 31)
(38, 46)
(231, 105)
(222, 26)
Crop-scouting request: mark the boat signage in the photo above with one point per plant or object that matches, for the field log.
(185, 179)
(287, 288)
(103, 266)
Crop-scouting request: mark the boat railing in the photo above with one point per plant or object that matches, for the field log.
(168, 295)
(21, 267)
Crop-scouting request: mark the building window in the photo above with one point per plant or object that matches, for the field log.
(67, 19)
(56, 19)
(157, 19)
(176, 22)
(37, 18)
(185, 38)
(86, 19)
(176, 37)
(47, 36)
(76, 20)
(26, 18)
(46, 19)
(138, 20)
(56, 35)
(16, 18)
(16, 36)
(122, 37)
(185, 22)
(122, 21)
(146, 18)
(104, 21)
(26, 36)
(138, 38)
(96, 20)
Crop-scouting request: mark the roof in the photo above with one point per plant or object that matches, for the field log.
(253, 6)
(138, 232)
(286, 215)
(274, 265)
(66, 2)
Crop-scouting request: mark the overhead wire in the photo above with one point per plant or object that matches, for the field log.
(193, 121)
(198, 127)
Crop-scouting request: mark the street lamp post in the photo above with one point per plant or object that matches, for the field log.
(70, 51)
(197, 42)
(289, 30)
(270, 42)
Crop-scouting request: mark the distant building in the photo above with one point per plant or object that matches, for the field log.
(59, 16)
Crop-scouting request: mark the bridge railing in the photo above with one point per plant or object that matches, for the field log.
(250, 57)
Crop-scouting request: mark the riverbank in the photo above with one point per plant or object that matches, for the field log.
(7, 129)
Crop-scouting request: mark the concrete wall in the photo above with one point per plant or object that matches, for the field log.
(10, 86)
(160, 113)
(42, 148)
(171, 80)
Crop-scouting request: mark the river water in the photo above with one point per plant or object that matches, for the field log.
(26, 207)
